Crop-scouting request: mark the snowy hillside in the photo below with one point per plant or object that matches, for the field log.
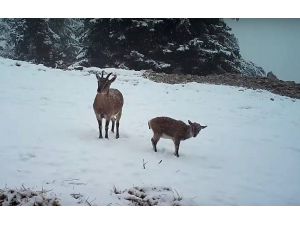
(248, 155)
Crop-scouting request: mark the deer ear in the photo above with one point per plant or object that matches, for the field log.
(202, 127)
(190, 122)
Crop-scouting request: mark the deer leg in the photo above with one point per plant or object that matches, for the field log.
(154, 141)
(118, 117)
(100, 127)
(106, 128)
(117, 133)
(177, 143)
(113, 126)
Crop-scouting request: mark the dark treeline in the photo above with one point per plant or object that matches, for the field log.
(183, 46)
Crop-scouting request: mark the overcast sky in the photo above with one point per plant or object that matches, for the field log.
(270, 43)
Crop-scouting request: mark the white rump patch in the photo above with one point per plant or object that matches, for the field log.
(166, 136)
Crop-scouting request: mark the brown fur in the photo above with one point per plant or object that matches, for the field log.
(177, 130)
(108, 104)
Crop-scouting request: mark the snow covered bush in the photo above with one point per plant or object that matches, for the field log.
(148, 196)
(26, 197)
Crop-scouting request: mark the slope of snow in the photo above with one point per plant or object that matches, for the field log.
(248, 155)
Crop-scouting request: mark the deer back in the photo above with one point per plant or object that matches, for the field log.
(169, 127)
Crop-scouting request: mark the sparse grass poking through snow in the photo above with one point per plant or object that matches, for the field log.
(26, 197)
(148, 196)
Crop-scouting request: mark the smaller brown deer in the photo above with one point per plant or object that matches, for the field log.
(108, 104)
(177, 130)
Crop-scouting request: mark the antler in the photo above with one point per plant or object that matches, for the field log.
(102, 73)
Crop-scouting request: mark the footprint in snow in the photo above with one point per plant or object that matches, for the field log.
(27, 156)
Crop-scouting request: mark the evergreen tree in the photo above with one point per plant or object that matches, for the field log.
(37, 43)
(11, 33)
(197, 46)
(66, 41)
(194, 46)
(51, 42)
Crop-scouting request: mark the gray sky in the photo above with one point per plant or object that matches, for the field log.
(270, 43)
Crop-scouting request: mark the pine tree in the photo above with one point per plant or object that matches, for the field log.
(66, 42)
(51, 42)
(197, 46)
(193, 46)
(37, 43)
(11, 33)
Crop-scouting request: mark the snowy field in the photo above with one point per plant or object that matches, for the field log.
(248, 155)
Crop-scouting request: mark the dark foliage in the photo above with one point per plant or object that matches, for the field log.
(195, 46)
(182, 46)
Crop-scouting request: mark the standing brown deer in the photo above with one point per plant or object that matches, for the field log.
(108, 104)
(177, 130)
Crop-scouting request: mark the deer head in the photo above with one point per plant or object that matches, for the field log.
(196, 127)
(104, 83)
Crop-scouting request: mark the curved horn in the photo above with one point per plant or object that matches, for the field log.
(108, 75)
(113, 79)
(102, 74)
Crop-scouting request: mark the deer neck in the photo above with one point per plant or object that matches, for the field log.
(189, 133)
(105, 92)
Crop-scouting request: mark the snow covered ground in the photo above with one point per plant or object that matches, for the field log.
(248, 155)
